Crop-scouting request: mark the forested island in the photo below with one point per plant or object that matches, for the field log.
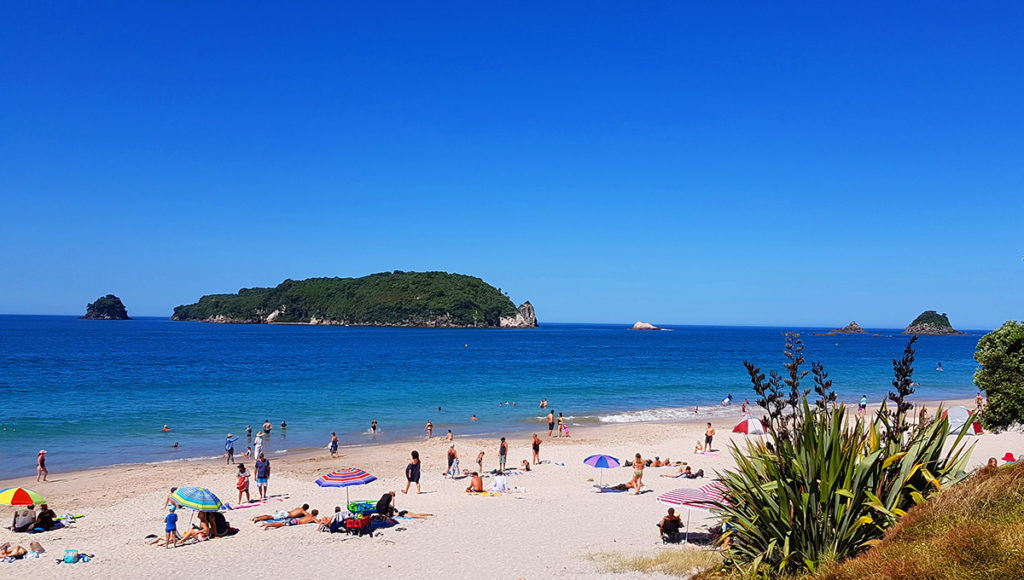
(107, 307)
(428, 299)
(931, 322)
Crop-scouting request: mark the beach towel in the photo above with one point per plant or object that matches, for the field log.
(485, 493)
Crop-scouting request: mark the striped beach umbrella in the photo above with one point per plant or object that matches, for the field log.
(691, 499)
(345, 477)
(197, 498)
(602, 462)
(20, 496)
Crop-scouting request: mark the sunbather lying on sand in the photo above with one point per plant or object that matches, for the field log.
(307, 519)
(298, 512)
(685, 472)
(8, 550)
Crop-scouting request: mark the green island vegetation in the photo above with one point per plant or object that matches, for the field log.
(108, 307)
(1001, 356)
(385, 299)
(932, 318)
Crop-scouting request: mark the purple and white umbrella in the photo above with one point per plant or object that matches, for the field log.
(602, 462)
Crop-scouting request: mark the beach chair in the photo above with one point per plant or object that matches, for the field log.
(670, 533)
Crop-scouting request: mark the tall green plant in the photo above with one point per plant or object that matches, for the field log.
(830, 484)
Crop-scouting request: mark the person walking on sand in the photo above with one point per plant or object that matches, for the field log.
(453, 456)
(536, 449)
(412, 472)
(41, 470)
(480, 462)
(334, 444)
(709, 434)
(243, 483)
(449, 437)
(262, 476)
(502, 454)
(229, 447)
(862, 406)
(430, 429)
(551, 422)
(638, 473)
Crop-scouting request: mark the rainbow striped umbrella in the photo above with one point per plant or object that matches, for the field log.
(345, 477)
(20, 496)
(197, 498)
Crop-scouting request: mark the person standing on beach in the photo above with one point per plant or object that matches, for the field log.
(709, 434)
(638, 472)
(449, 437)
(480, 462)
(171, 527)
(243, 483)
(41, 470)
(551, 422)
(334, 444)
(430, 429)
(373, 428)
(412, 473)
(453, 456)
(262, 476)
(257, 446)
(502, 454)
(561, 424)
(536, 449)
(229, 447)
(862, 406)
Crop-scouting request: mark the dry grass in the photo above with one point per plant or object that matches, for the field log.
(973, 530)
(674, 561)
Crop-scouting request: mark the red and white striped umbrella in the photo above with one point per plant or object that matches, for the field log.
(691, 498)
(715, 490)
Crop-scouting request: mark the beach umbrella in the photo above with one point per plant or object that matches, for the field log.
(20, 496)
(602, 462)
(750, 426)
(691, 499)
(196, 498)
(345, 477)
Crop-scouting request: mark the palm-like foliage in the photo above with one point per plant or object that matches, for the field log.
(827, 487)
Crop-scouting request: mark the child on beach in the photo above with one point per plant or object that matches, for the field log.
(171, 527)
(243, 483)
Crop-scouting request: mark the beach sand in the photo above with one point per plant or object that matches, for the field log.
(553, 528)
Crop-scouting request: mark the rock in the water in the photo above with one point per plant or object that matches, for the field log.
(852, 328)
(108, 307)
(931, 322)
(525, 317)
(644, 326)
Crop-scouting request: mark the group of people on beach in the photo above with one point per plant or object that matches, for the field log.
(27, 520)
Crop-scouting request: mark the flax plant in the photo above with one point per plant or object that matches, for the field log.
(824, 486)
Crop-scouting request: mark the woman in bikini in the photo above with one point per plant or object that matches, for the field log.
(638, 473)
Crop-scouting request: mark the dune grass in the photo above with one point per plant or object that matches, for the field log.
(973, 530)
(682, 561)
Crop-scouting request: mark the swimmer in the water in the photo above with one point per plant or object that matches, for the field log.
(373, 428)
(267, 426)
(284, 425)
(473, 418)
(175, 445)
(166, 428)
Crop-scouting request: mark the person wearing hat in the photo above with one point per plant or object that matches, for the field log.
(171, 527)
(229, 447)
(257, 444)
(1009, 458)
(41, 470)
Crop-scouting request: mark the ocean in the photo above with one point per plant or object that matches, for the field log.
(96, 393)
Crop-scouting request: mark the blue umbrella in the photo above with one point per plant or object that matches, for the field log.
(197, 498)
(602, 462)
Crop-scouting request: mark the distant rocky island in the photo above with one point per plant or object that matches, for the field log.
(644, 326)
(931, 322)
(420, 299)
(108, 307)
(852, 328)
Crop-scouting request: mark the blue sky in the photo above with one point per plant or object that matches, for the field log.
(783, 164)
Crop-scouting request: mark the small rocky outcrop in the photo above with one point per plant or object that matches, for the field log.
(525, 317)
(644, 326)
(931, 322)
(852, 328)
(108, 307)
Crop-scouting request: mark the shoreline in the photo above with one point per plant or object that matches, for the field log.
(308, 452)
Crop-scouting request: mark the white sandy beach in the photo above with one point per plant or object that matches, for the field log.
(550, 529)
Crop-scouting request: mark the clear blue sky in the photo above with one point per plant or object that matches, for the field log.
(674, 162)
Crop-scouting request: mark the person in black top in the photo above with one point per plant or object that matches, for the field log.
(46, 518)
(412, 473)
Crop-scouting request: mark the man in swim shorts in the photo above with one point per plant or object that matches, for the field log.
(551, 422)
(262, 469)
(306, 519)
(709, 434)
(502, 454)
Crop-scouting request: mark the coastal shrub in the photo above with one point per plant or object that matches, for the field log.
(1001, 356)
(823, 487)
(973, 530)
(674, 561)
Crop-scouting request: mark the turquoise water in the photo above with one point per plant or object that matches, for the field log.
(98, 392)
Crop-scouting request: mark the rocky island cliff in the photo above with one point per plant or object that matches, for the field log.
(108, 307)
(852, 328)
(421, 299)
(931, 322)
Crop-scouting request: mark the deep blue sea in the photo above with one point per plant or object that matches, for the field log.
(98, 392)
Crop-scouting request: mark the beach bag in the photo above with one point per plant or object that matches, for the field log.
(243, 483)
(70, 556)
